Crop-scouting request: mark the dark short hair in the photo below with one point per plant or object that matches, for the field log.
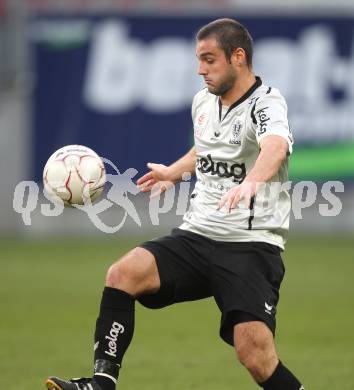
(230, 35)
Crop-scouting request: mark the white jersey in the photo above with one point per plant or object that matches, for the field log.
(227, 147)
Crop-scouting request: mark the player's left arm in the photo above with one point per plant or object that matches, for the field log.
(274, 150)
(275, 141)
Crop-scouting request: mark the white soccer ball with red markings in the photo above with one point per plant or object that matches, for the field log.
(75, 174)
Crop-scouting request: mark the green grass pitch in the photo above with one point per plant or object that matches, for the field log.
(50, 292)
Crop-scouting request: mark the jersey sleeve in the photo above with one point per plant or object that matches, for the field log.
(271, 118)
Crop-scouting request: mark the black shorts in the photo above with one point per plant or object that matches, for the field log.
(243, 277)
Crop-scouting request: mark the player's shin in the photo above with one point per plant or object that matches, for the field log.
(114, 331)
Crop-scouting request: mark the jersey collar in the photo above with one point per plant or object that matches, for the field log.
(257, 84)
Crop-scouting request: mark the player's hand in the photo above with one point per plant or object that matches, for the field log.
(243, 192)
(157, 181)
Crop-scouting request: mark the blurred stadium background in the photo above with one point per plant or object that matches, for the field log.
(118, 76)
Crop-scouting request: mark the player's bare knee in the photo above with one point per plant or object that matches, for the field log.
(122, 272)
(134, 273)
(116, 275)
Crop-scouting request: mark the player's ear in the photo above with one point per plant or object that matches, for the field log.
(238, 56)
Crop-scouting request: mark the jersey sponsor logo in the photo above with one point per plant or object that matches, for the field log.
(263, 118)
(218, 186)
(113, 336)
(222, 169)
(236, 131)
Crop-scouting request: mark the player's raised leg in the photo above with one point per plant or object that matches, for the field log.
(136, 273)
(255, 348)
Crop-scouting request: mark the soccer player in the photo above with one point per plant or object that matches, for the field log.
(230, 242)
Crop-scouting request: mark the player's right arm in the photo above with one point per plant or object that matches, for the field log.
(161, 177)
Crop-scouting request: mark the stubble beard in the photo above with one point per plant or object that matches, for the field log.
(224, 86)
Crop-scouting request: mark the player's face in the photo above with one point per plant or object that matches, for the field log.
(219, 74)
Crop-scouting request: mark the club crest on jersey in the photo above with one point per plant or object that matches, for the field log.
(236, 131)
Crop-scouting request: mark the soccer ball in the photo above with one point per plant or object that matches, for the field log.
(75, 174)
